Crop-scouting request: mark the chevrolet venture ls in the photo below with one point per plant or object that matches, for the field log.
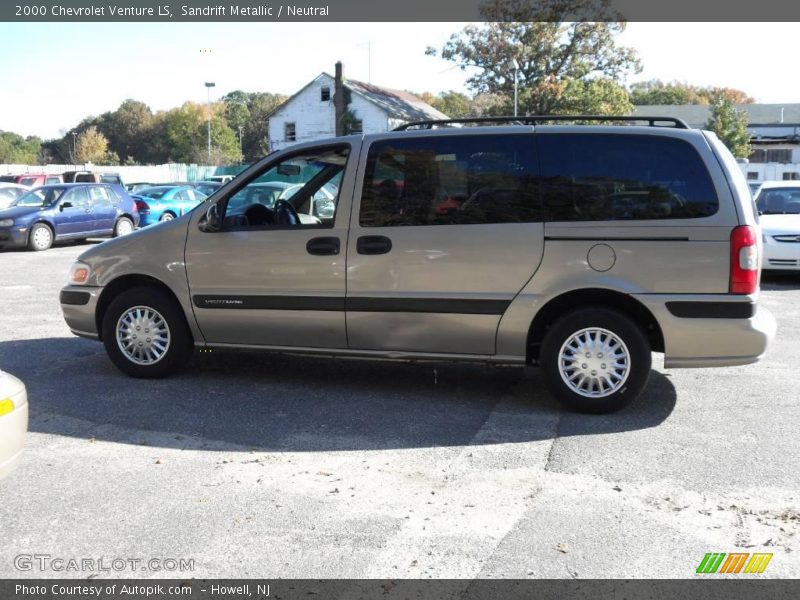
(580, 248)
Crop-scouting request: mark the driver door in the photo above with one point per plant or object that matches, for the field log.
(257, 282)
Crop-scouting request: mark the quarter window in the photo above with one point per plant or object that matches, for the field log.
(608, 177)
(453, 180)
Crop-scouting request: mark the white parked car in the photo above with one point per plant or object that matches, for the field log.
(778, 204)
(9, 192)
(13, 421)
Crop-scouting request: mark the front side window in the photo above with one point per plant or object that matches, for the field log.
(612, 177)
(301, 190)
(78, 197)
(452, 180)
(42, 197)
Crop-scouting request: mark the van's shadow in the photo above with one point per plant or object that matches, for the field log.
(248, 400)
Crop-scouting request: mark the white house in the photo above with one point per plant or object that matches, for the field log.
(774, 135)
(310, 114)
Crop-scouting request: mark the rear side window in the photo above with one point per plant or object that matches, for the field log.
(453, 180)
(99, 196)
(607, 177)
(51, 180)
(28, 181)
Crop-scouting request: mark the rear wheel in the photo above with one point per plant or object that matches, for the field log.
(167, 217)
(40, 237)
(124, 226)
(595, 360)
(145, 333)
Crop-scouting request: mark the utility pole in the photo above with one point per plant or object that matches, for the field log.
(209, 85)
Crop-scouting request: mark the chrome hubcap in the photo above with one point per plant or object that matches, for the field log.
(41, 237)
(594, 363)
(124, 227)
(143, 335)
(167, 217)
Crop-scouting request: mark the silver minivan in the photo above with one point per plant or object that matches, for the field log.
(526, 241)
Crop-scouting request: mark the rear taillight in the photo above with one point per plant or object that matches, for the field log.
(744, 260)
(143, 207)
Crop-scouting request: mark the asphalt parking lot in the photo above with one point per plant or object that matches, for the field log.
(255, 465)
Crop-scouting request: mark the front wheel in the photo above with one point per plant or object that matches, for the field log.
(595, 360)
(145, 333)
(40, 237)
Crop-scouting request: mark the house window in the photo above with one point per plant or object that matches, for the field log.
(763, 155)
(791, 176)
(357, 126)
(325, 95)
(289, 132)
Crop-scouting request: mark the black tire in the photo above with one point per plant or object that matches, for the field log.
(37, 240)
(126, 222)
(633, 380)
(180, 346)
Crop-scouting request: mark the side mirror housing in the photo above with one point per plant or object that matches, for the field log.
(65, 205)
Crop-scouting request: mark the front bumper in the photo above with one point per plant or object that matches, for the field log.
(14, 236)
(779, 256)
(79, 303)
(13, 425)
(711, 342)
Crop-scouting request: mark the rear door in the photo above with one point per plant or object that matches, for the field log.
(446, 229)
(105, 212)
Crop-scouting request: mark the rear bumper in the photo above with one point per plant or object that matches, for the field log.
(13, 429)
(79, 303)
(711, 342)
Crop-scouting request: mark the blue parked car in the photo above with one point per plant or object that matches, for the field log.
(165, 202)
(67, 211)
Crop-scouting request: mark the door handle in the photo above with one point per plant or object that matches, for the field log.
(323, 246)
(373, 244)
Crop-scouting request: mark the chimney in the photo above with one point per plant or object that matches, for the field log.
(339, 104)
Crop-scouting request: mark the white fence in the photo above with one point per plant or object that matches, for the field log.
(129, 174)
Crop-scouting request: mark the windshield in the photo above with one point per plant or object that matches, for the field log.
(779, 201)
(41, 197)
(153, 192)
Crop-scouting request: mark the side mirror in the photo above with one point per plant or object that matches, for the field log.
(65, 205)
(212, 222)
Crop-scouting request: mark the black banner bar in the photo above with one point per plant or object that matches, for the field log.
(388, 11)
(709, 587)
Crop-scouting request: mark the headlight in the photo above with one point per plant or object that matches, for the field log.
(79, 273)
(6, 222)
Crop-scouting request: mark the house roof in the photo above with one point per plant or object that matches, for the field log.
(697, 115)
(399, 105)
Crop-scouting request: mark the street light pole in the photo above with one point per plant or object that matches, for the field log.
(515, 64)
(209, 85)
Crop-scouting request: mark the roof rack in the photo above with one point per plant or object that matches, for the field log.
(536, 119)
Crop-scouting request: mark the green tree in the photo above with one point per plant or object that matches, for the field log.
(730, 125)
(557, 56)
(128, 130)
(16, 149)
(186, 131)
(656, 91)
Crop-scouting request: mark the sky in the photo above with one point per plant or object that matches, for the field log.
(54, 74)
